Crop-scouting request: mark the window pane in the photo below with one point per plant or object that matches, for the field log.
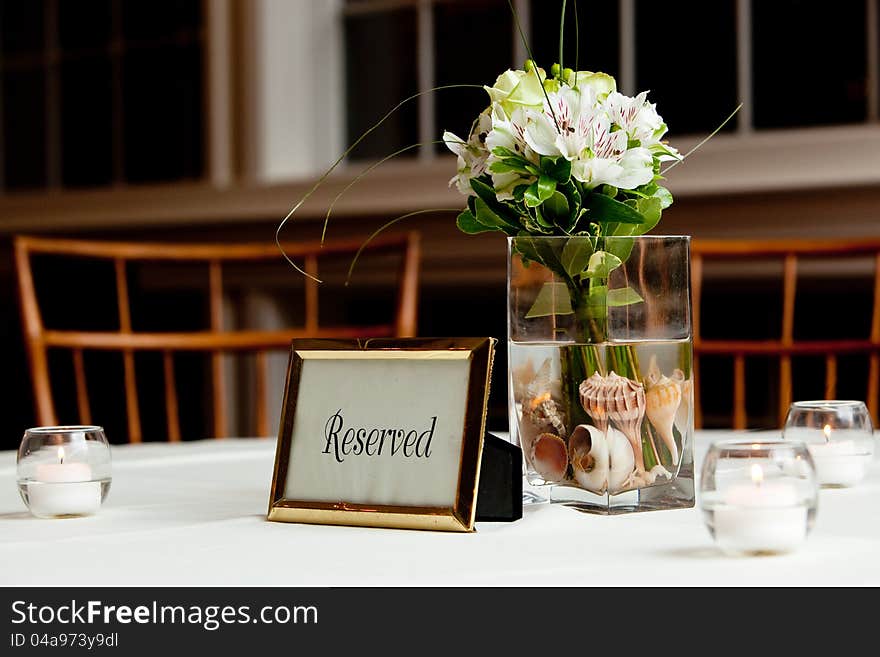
(84, 24)
(162, 97)
(24, 128)
(686, 58)
(21, 27)
(599, 29)
(86, 122)
(148, 20)
(381, 71)
(809, 63)
(473, 44)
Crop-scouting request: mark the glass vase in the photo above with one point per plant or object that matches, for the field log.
(601, 370)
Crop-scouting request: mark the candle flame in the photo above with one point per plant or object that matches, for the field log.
(827, 431)
(757, 474)
(61, 454)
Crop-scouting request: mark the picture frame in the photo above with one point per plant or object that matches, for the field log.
(382, 432)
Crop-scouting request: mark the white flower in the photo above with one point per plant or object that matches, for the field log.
(562, 126)
(637, 117)
(607, 161)
(472, 154)
(508, 132)
(600, 84)
(518, 88)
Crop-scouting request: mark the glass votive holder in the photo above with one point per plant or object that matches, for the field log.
(839, 435)
(758, 497)
(64, 472)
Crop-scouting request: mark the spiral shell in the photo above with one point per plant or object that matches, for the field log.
(540, 406)
(662, 399)
(588, 452)
(619, 400)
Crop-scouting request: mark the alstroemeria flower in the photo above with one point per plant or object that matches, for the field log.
(637, 117)
(562, 126)
(472, 154)
(508, 132)
(607, 161)
(518, 88)
(599, 84)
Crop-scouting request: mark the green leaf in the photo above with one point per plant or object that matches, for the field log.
(556, 209)
(484, 191)
(576, 255)
(606, 210)
(650, 209)
(539, 191)
(505, 166)
(620, 244)
(488, 217)
(539, 217)
(467, 223)
(553, 299)
(623, 296)
(608, 190)
(558, 169)
(665, 197)
(601, 264)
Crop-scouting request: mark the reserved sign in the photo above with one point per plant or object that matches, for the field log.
(382, 432)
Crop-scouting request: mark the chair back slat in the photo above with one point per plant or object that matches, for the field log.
(262, 377)
(739, 391)
(33, 335)
(215, 296)
(214, 342)
(82, 391)
(786, 347)
(131, 394)
(172, 412)
(408, 299)
(830, 376)
(311, 268)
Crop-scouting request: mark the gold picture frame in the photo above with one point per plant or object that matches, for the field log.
(459, 516)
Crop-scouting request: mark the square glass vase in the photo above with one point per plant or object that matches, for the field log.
(601, 381)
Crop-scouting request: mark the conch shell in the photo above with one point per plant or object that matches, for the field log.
(549, 457)
(662, 399)
(619, 400)
(601, 460)
(588, 452)
(540, 406)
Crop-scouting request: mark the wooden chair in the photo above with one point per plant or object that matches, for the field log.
(216, 341)
(785, 347)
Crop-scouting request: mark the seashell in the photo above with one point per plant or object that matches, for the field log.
(588, 452)
(662, 399)
(593, 393)
(549, 457)
(650, 477)
(601, 461)
(683, 415)
(622, 460)
(619, 400)
(540, 406)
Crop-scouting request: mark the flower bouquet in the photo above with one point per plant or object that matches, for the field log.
(600, 349)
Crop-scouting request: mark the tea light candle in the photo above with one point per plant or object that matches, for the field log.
(838, 462)
(63, 489)
(760, 517)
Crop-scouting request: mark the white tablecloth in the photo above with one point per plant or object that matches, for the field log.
(195, 514)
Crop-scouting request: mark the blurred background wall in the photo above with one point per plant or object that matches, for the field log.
(207, 119)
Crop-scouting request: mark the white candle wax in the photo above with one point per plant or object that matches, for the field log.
(839, 463)
(760, 517)
(63, 489)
